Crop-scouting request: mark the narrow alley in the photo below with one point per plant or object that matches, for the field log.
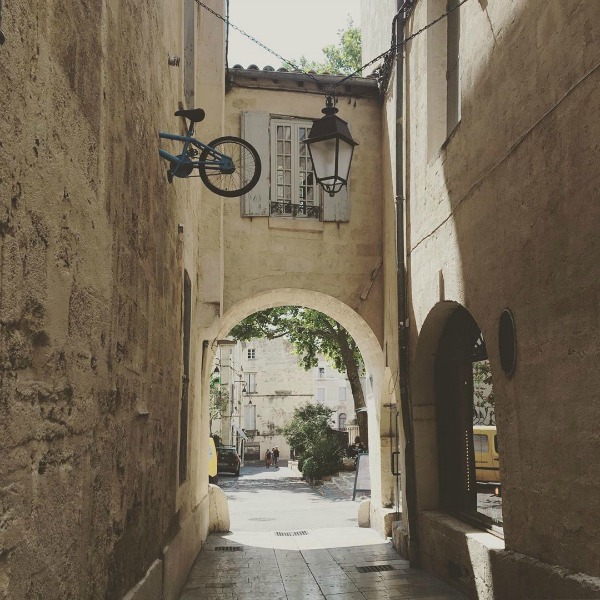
(291, 541)
(317, 230)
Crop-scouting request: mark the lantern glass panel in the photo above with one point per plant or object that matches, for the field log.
(344, 159)
(323, 156)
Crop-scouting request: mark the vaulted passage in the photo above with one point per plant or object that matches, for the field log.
(382, 482)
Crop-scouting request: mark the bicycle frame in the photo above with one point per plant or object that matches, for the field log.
(182, 165)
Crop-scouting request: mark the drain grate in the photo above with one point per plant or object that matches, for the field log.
(290, 533)
(375, 568)
(229, 548)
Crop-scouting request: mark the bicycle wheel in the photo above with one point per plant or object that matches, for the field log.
(246, 171)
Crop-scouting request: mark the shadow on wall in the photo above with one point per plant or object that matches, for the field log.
(520, 170)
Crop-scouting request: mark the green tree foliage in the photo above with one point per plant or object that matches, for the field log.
(313, 440)
(311, 333)
(482, 384)
(343, 58)
(219, 400)
(309, 422)
(326, 453)
(484, 402)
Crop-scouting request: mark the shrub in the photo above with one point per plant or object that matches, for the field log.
(310, 470)
(327, 454)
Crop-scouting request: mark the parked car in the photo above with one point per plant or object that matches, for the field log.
(487, 459)
(228, 460)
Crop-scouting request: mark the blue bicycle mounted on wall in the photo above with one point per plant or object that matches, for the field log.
(229, 166)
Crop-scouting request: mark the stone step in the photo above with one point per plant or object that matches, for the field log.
(344, 481)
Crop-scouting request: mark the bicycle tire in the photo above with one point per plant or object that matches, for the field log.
(245, 160)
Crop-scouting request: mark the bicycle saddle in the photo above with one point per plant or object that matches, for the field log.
(194, 114)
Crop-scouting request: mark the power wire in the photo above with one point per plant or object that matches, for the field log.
(387, 55)
(391, 52)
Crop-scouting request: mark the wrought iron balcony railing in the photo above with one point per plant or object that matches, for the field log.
(302, 210)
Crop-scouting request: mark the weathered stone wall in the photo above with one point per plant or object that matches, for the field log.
(502, 214)
(90, 297)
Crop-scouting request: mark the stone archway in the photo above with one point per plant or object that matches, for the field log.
(450, 344)
(368, 344)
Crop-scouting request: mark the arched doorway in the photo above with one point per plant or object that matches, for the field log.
(469, 477)
(358, 326)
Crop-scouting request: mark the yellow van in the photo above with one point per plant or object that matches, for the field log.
(487, 459)
(212, 462)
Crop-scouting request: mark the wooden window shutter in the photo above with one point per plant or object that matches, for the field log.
(337, 208)
(255, 129)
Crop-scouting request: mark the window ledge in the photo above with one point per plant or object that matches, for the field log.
(451, 135)
(295, 224)
(464, 526)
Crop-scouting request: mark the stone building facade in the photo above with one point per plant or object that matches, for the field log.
(275, 384)
(115, 287)
(322, 253)
(100, 482)
(493, 135)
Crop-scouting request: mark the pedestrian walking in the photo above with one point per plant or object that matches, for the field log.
(275, 456)
(268, 458)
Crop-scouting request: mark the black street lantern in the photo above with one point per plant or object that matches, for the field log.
(330, 146)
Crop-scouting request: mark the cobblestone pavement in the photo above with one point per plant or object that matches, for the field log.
(287, 541)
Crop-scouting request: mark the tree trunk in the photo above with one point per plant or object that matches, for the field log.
(353, 374)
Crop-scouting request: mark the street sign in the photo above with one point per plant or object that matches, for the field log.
(362, 479)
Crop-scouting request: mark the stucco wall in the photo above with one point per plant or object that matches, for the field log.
(90, 298)
(329, 267)
(337, 260)
(503, 215)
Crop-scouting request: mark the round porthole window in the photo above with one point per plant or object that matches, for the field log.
(507, 340)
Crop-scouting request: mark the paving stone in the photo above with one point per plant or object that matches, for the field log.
(320, 565)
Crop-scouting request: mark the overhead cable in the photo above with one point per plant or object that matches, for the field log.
(390, 53)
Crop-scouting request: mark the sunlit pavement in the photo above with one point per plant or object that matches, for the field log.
(287, 541)
(266, 499)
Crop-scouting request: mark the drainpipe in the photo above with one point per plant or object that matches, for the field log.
(2, 38)
(409, 494)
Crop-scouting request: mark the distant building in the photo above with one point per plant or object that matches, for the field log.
(273, 385)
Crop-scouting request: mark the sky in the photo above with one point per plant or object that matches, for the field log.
(290, 27)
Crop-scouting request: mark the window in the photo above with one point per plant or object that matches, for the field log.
(443, 73)
(342, 420)
(480, 443)
(453, 68)
(321, 372)
(342, 394)
(250, 417)
(250, 379)
(251, 353)
(320, 394)
(286, 188)
(183, 410)
(295, 192)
